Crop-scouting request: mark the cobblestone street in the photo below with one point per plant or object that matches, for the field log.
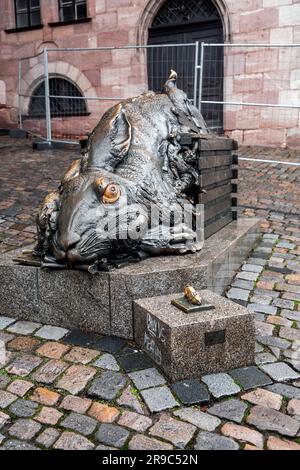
(66, 389)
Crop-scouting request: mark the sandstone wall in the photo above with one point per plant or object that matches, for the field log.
(249, 74)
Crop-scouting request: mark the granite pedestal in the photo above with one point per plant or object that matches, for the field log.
(104, 303)
(188, 345)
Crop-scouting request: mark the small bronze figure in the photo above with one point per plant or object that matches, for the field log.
(192, 296)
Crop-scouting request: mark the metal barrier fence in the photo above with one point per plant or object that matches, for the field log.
(250, 91)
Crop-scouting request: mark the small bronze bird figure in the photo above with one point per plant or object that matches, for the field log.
(182, 103)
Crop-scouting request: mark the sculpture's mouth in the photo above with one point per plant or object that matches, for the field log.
(85, 251)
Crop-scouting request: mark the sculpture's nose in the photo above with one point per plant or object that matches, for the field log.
(69, 241)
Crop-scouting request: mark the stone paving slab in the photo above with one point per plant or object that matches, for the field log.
(74, 389)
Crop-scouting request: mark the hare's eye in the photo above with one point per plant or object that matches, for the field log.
(111, 194)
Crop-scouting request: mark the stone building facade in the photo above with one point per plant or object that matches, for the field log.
(252, 75)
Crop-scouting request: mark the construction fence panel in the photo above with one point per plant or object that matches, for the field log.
(250, 92)
(85, 83)
(259, 92)
(32, 116)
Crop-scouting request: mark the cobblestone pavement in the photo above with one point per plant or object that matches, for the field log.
(69, 390)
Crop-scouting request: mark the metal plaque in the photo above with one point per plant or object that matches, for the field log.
(215, 337)
(188, 307)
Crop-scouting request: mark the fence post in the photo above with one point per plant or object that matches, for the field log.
(196, 72)
(47, 97)
(20, 99)
(201, 76)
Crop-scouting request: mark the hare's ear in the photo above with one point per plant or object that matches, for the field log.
(120, 133)
(72, 172)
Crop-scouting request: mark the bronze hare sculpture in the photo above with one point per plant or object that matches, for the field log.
(139, 165)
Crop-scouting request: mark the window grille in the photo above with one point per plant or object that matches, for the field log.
(185, 11)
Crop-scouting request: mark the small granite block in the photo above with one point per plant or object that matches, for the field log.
(79, 423)
(285, 390)
(110, 344)
(16, 444)
(108, 362)
(159, 399)
(51, 332)
(112, 435)
(233, 410)
(190, 392)
(85, 339)
(5, 322)
(23, 408)
(238, 294)
(200, 419)
(280, 371)
(210, 441)
(24, 327)
(135, 361)
(107, 386)
(147, 378)
(186, 346)
(221, 385)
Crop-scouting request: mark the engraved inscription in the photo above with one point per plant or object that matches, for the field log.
(152, 348)
(155, 328)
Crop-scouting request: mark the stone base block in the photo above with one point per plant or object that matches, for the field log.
(104, 303)
(187, 346)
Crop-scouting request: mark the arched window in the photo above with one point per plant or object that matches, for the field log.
(60, 105)
(178, 12)
(181, 22)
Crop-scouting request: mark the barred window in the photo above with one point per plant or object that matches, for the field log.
(60, 105)
(72, 10)
(28, 13)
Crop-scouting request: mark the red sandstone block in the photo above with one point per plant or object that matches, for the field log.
(289, 15)
(234, 64)
(236, 135)
(296, 34)
(5, 120)
(279, 117)
(128, 17)
(48, 33)
(277, 3)
(293, 138)
(107, 22)
(113, 5)
(246, 5)
(93, 76)
(82, 28)
(248, 118)
(281, 36)
(115, 75)
(288, 58)
(271, 137)
(260, 37)
(230, 120)
(248, 83)
(116, 38)
(96, 7)
(276, 81)
(123, 56)
(261, 19)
